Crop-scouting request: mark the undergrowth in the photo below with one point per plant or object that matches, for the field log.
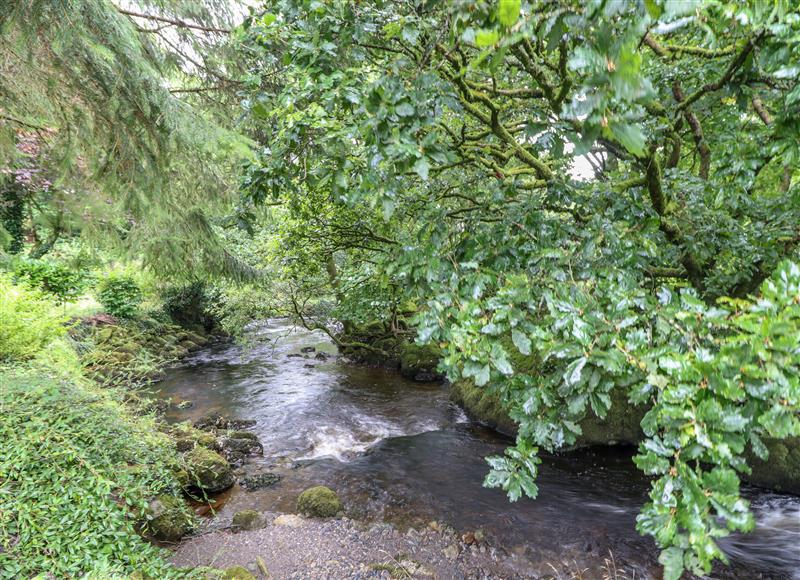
(77, 468)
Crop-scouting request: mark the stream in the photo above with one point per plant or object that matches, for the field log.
(402, 452)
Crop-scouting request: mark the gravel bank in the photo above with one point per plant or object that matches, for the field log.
(291, 546)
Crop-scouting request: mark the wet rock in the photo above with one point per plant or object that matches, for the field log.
(321, 356)
(294, 355)
(189, 345)
(197, 338)
(187, 438)
(208, 470)
(419, 362)
(237, 447)
(319, 501)
(168, 519)
(259, 481)
(309, 366)
(178, 351)
(289, 520)
(185, 405)
(213, 420)
(248, 520)
(237, 573)
(308, 349)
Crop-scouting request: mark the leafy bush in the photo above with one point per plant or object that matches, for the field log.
(76, 474)
(120, 295)
(191, 304)
(65, 283)
(28, 321)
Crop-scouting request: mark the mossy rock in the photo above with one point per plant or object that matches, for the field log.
(169, 519)
(620, 426)
(320, 502)
(119, 357)
(208, 470)
(197, 338)
(781, 471)
(182, 477)
(419, 362)
(248, 520)
(242, 435)
(129, 347)
(483, 404)
(105, 334)
(237, 573)
(189, 345)
(179, 351)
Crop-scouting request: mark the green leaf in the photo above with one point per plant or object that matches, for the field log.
(573, 373)
(521, 341)
(485, 38)
(508, 12)
(483, 376)
(421, 166)
(404, 109)
(630, 136)
(653, 8)
(672, 560)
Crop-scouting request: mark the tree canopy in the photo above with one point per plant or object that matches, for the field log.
(603, 183)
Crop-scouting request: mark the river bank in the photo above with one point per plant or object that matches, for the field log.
(400, 453)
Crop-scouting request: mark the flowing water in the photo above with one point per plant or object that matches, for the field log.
(400, 451)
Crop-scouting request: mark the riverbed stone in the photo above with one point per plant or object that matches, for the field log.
(259, 480)
(237, 573)
(319, 501)
(237, 447)
(217, 421)
(451, 552)
(169, 519)
(248, 520)
(208, 470)
(289, 520)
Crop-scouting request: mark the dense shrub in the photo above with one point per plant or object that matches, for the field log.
(191, 305)
(64, 283)
(76, 474)
(120, 295)
(28, 321)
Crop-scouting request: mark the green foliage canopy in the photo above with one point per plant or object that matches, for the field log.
(604, 181)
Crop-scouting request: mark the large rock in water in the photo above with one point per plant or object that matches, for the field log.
(238, 445)
(419, 362)
(208, 470)
(781, 471)
(320, 502)
(169, 519)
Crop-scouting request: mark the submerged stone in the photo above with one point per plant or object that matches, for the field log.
(259, 481)
(320, 502)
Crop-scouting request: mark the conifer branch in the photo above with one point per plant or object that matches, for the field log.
(173, 21)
